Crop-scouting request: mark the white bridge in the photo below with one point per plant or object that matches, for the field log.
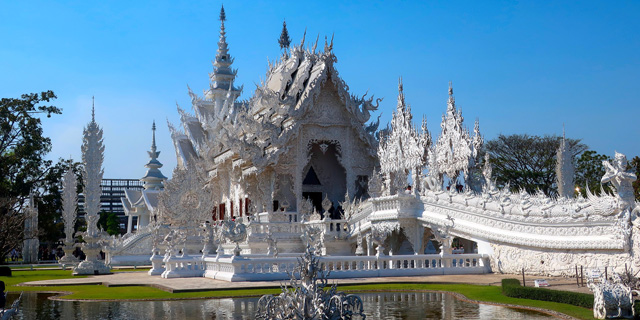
(499, 232)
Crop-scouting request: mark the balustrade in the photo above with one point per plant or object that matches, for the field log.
(180, 267)
(279, 268)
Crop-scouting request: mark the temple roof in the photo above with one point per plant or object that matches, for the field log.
(254, 130)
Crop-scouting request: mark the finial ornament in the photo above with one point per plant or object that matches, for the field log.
(450, 88)
(153, 141)
(304, 36)
(284, 40)
(93, 109)
(401, 103)
(223, 17)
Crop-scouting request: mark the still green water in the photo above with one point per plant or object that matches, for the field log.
(378, 305)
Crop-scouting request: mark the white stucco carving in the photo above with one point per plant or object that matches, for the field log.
(92, 157)
(69, 215)
(612, 298)
(565, 170)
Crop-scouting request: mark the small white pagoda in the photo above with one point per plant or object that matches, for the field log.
(141, 204)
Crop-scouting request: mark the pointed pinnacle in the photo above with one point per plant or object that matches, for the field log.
(450, 89)
(93, 108)
(153, 141)
(223, 16)
(284, 40)
(304, 35)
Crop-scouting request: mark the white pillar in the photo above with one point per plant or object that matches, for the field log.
(129, 224)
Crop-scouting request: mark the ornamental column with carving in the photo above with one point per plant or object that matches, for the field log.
(69, 215)
(92, 157)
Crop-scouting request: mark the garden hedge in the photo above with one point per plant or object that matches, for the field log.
(5, 271)
(512, 288)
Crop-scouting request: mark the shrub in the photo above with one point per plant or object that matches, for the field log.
(512, 288)
(5, 271)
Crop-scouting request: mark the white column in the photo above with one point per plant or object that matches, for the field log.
(129, 223)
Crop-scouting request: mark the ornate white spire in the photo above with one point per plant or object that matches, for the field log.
(69, 204)
(404, 148)
(154, 178)
(478, 141)
(453, 148)
(564, 169)
(92, 156)
(222, 76)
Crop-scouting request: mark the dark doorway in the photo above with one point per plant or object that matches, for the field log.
(316, 199)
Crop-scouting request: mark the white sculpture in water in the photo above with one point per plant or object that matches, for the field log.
(69, 215)
(92, 157)
(306, 297)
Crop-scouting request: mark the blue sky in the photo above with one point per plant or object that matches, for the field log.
(520, 67)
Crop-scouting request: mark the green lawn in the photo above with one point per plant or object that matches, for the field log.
(99, 292)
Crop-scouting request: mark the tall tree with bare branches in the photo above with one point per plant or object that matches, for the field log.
(23, 168)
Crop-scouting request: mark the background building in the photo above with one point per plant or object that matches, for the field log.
(112, 192)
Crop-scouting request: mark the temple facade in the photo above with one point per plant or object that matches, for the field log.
(303, 163)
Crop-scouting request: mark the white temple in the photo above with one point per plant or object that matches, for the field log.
(141, 204)
(301, 162)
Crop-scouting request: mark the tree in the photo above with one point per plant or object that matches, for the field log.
(23, 169)
(109, 222)
(589, 172)
(527, 162)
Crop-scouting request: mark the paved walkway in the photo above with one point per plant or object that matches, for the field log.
(205, 284)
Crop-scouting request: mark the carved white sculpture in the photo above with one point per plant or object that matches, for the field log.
(612, 298)
(234, 232)
(92, 157)
(453, 147)
(565, 170)
(621, 179)
(69, 214)
(307, 298)
(403, 149)
(186, 201)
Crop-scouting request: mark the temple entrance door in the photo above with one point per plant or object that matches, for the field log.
(324, 174)
(316, 199)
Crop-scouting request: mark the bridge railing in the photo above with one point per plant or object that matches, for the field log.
(329, 226)
(278, 268)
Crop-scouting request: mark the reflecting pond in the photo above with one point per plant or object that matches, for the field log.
(377, 305)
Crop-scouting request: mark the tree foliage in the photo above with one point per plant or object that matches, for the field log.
(527, 162)
(589, 172)
(23, 169)
(109, 222)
